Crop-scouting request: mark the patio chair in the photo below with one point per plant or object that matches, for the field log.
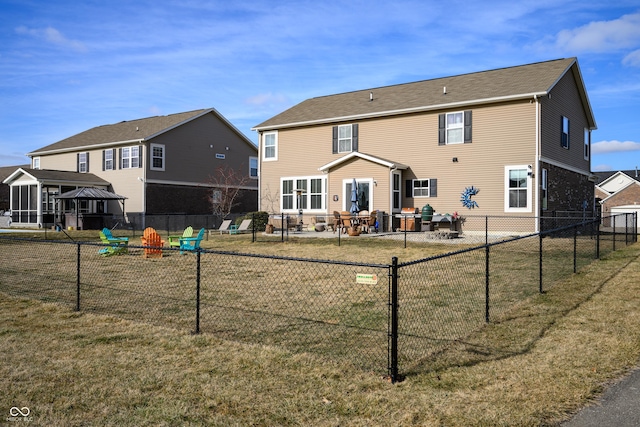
(152, 243)
(337, 222)
(244, 227)
(225, 226)
(114, 247)
(111, 237)
(191, 244)
(174, 241)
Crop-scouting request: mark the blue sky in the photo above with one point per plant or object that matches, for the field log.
(67, 66)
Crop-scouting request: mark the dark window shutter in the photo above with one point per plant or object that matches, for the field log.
(408, 190)
(441, 129)
(87, 163)
(433, 187)
(119, 158)
(335, 140)
(103, 151)
(467, 126)
(140, 156)
(354, 137)
(77, 162)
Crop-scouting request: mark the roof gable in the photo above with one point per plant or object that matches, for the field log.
(449, 92)
(374, 159)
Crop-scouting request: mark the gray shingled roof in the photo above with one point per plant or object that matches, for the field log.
(133, 130)
(65, 176)
(85, 193)
(475, 88)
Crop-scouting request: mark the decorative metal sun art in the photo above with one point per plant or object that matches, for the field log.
(466, 200)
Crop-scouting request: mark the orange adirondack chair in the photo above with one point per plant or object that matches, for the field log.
(152, 243)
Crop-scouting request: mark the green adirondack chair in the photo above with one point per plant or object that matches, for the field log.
(174, 241)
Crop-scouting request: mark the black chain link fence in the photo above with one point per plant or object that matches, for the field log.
(369, 315)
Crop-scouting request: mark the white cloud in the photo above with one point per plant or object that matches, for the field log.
(604, 147)
(602, 36)
(52, 35)
(602, 168)
(267, 99)
(632, 59)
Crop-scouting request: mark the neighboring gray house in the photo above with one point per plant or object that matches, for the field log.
(160, 165)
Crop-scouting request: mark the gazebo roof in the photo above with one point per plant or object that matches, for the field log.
(86, 193)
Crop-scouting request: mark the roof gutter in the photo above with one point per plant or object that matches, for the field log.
(86, 147)
(400, 111)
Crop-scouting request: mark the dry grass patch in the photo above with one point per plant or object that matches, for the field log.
(536, 365)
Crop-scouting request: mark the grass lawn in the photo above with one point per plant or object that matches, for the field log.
(533, 366)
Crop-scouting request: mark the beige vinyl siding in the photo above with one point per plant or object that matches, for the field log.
(502, 134)
(564, 100)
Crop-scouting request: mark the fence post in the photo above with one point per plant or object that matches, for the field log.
(626, 229)
(486, 283)
(575, 248)
(486, 229)
(612, 217)
(253, 227)
(78, 278)
(197, 331)
(541, 289)
(393, 333)
(599, 219)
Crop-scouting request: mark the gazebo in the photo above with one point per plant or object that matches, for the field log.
(87, 193)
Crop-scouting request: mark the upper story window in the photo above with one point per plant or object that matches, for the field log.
(587, 143)
(253, 167)
(270, 146)
(36, 162)
(564, 141)
(157, 157)
(83, 162)
(454, 128)
(107, 160)
(345, 138)
(130, 157)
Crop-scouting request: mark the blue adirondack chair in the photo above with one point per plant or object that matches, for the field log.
(113, 247)
(190, 244)
(111, 237)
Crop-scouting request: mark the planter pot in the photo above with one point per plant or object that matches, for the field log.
(353, 231)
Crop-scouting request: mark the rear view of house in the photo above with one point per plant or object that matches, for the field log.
(511, 141)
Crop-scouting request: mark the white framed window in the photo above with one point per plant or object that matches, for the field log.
(306, 193)
(270, 146)
(564, 139)
(253, 167)
(517, 188)
(108, 164)
(130, 157)
(157, 157)
(345, 138)
(420, 188)
(543, 186)
(35, 163)
(83, 162)
(455, 128)
(587, 143)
